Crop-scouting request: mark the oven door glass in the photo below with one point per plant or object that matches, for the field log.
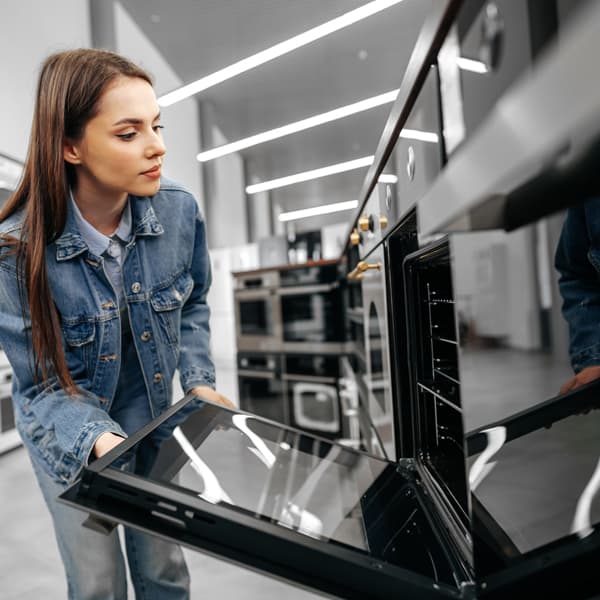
(255, 316)
(316, 513)
(312, 314)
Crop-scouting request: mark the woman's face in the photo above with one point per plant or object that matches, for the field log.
(121, 149)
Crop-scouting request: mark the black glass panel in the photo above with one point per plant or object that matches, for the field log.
(205, 455)
(312, 317)
(254, 318)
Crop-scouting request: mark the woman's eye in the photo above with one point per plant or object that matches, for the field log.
(157, 128)
(126, 136)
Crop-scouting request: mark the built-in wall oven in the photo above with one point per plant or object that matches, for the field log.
(258, 311)
(261, 390)
(311, 308)
(311, 385)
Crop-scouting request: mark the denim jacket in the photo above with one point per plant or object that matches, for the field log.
(578, 262)
(166, 276)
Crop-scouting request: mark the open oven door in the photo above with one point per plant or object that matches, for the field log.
(269, 497)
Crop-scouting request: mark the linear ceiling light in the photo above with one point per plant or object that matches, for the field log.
(278, 132)
(277, 50)
(422, 136)
(468, 64)
(387, 178)
(308, 175)
(318, 210)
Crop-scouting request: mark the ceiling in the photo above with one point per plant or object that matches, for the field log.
(197, 37)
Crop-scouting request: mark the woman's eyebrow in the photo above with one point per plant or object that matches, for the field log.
(133, 120)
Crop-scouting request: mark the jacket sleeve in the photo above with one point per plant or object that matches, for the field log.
(195, 365)
(75, 420)
(579, 285)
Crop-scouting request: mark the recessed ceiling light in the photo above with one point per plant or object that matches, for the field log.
(278, 132)
(318, 210)
(277, 50)
(362, 55)
(308, 175)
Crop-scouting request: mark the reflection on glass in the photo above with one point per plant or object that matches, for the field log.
(306, 485)
(534, 476)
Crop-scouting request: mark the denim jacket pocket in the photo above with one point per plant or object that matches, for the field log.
(167, 301)
(79, 336)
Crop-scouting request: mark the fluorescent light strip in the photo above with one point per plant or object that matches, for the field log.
(387, 178)
(308, 175)
(278, 132)
(318, 210)
(468, 64)
(277, 50)
(422, 136)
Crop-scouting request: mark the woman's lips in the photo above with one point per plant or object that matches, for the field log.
(153, 173)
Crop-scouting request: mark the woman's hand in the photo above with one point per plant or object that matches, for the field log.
(105, 443)
(209, 394)
(588, 374)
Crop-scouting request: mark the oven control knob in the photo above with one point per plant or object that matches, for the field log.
(355, 237)
(366, 223)
(383, 221)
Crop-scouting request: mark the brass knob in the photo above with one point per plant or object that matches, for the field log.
(364, 223)
(355, 237)
(365, 266)
(383, 221)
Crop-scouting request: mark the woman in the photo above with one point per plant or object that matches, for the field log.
(99, 253)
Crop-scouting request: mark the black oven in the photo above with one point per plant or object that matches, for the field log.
(311, 307)
(260, 387)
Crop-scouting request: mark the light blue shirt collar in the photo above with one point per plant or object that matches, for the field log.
(97, 242)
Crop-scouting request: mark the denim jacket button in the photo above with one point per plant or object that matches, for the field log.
(145, 336)
(136, 287)
(157, 377)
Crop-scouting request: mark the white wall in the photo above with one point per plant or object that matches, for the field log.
(32, 29)
(181, 120)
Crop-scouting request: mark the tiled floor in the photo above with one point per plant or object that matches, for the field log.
(30, 567)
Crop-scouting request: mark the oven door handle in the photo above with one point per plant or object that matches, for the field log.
(256, 374)
(253, 294)
(308, 378)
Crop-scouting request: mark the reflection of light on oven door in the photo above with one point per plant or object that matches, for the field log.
(260, 450)
(304, 521)
(213, 492)
(496, 436)
(295, 516)
(582, 525)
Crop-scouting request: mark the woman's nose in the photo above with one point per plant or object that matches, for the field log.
(157, 146)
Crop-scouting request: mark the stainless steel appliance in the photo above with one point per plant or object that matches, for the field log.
(311, 384)
(312, 308)
(257, 311)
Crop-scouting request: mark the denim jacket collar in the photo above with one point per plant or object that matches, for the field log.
(144, 222)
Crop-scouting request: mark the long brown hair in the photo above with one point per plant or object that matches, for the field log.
(70, 86)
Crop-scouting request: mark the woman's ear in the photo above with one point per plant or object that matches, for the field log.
(71, 152)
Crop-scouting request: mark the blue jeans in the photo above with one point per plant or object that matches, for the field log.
(94, 564)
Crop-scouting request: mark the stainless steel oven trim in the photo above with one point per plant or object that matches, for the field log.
(308, 378)
(256, 374)
(308, 289)
(374, 290)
